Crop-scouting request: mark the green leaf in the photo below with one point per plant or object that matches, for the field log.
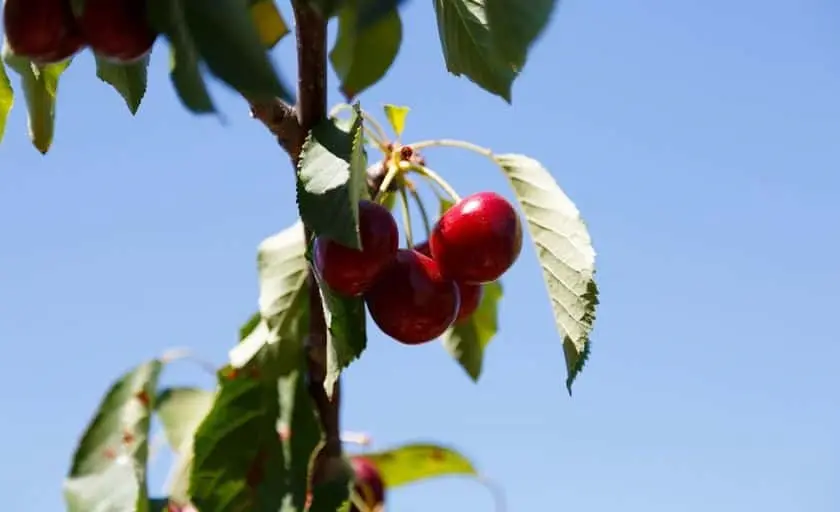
(332, 496)
(371, 11)
(414, 462)
(298, 413)
(565, 252)
(228, 41)
(181, 410)
(466, 340)
(468, 47)
(7, 99)
(159, 505)
(40, 88)
(515, 25)
(109, 467)
(396, 118)
(129, 80)
(270, 24)
(238, 459)
(167, 17)
(361, 57)
(331, 181)
(347, 337)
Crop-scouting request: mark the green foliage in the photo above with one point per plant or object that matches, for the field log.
(565, 251)
(108, 471)
(7, 99)
(298, 415)
(412, 463)
(466, 341)
(514, 26)
(129, 80)
(396, 116)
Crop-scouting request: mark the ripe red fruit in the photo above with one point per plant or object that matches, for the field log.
(478, 239)
(41, 30)
(470, 294)
(351, 272)
(411, 301)
(117, 29)
(369, 484)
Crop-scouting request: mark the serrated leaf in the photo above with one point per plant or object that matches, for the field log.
(396, 116)
(466, 340)
(298, 413)
(414, 462)
(108, 471)
(181, 410)
(227, 40)
(238, 459)
(361, 57)
(40, 89)
(270, 24)
(468, 46)
(7, 99)
(565, 252)
(331, 180)
(515, 25)
(185, 72)
(129, 80)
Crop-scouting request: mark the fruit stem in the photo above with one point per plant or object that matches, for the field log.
(358, 502)
(452, 143)
(406, 213)
(393, 171)
(375, 131)
(498, 493)
(423, 213)
(431, 175)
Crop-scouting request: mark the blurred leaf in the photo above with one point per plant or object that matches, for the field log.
(250, 325)
(298, 413)
(414, 462)
(238, 459)
(40, 89)
(109, 466)
(515, 25)
(565, 252)
(333, 496)
(466, 340)
(160, 505)
(372, 11)
(270, 24)
(361, 57)
(181, 410)
(347, 336)
(468, 47)
(331, 181)
(396, 118)
(7, 99)
(129, 80)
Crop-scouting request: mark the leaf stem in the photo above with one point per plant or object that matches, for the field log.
(423, 213)
(434, 177)
(393, 171)
(452, 143)
(406, 213)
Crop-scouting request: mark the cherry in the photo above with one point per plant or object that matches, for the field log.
(369, 484)
(351, 272)
(117, 29)
(470, 293)
(42, 30)
(478, 239)
(411, 301)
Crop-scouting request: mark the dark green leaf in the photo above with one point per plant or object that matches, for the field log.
(565, 252)
(159, 505)
(414, 462)
(298, 414)
(168, 18)
(371, 11)
(331, 181)
(333, 496)
(109, 467)
(227, 39)
(361, 57)
(7, 99)
(347, 337)
(468, 47)
(467, 339)
(238, 459)
(40, 88)
(515, 25)
(127, 79)
(181, 410)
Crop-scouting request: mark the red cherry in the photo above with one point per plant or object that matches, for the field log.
(117, 29)
(42, 30)
(351, 272)
(369, 484)
(411, 301)
(478, 239)
(470, 294)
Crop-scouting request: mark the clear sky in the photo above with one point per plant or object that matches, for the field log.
(700, 141)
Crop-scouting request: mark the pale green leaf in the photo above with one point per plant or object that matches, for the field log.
(415, 462)
(466, 340)
(565, 252)
(181, 410)
(396, 116)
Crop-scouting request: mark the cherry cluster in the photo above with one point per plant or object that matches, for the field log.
(415, 294)
(47, 31)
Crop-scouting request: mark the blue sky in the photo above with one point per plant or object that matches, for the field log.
(700, 141)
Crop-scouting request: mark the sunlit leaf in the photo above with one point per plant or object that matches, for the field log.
(414, 462)
(269, 22)
(181, 410)
(396, 116)
(7, 98)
